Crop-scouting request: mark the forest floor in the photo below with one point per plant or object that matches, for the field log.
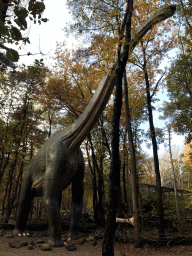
(91, 241)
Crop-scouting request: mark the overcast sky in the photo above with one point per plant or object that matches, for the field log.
(44, 37)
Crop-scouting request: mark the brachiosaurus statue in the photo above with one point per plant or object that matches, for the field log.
(59, 162)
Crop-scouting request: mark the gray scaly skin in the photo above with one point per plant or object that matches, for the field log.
(59, 162)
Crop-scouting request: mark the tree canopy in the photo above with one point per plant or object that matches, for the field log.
(14, 19)
(179, 77)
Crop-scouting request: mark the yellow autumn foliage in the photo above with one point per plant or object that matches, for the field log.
(188, 153)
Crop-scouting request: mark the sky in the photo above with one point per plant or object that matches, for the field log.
(177, 141)
(43, 39)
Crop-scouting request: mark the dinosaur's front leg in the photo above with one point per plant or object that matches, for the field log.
(24, 207)
(52, 192)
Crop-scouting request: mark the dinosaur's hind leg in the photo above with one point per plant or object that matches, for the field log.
(76, 203)
(24, 207)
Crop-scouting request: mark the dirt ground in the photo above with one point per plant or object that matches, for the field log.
(88, 248)
(91, 242)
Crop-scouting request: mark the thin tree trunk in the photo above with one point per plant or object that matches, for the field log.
(100, 189)
(50, 122)
(105, 140)
(101, 198)
(155, 155)
(4, 163)
(135, 186)
(114, 177)
(124, 178)
(8, 195)
(173, 169)
(94, 182)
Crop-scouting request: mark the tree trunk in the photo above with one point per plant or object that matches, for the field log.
(100, 188)
(155, 155)
(50, 117)
(173, 169)
(114, 177)
(125, 182)
(9, 190)
(94, 182)
(134, 180)
(105, 140)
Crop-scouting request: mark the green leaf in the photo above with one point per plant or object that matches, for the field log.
(12, 55)
(36, 7)
(3, 28)
(21, 14)
(15, 34)
(44, 20)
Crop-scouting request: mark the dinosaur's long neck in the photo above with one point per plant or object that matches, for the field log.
(76, 133)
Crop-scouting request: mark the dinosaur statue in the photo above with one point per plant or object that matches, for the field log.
(59, 162)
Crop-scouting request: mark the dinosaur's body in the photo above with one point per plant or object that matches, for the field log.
(52, 170)
(60, 162)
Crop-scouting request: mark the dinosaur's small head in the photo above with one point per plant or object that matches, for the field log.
(167, 11)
